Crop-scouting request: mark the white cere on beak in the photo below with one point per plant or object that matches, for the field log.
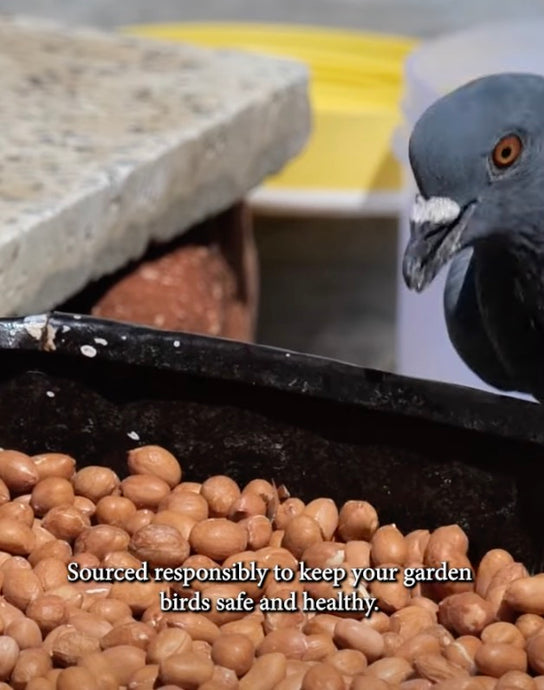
(438, 210)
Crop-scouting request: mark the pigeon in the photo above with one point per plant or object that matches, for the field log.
(477, 155)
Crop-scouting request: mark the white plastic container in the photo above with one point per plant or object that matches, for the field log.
(437, 67)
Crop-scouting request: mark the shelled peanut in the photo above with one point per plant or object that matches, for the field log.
(486, 633)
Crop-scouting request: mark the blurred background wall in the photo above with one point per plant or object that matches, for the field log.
(412, 17)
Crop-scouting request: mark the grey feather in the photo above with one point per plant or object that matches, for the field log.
(466, 327)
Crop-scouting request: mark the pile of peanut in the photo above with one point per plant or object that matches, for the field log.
(55, 634)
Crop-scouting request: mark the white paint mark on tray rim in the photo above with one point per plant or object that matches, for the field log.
(88, 350)
(34, 326)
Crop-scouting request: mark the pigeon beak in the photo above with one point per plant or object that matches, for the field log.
(436, 227)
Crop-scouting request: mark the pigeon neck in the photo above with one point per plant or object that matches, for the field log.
(510, 293)
(518, 258)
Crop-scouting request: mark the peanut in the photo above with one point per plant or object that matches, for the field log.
(155, 461)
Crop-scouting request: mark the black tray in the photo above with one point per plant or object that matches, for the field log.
(424, 453)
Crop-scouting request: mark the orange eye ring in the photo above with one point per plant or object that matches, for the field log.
(507, 151)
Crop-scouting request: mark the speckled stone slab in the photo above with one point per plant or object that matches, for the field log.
(108, 142)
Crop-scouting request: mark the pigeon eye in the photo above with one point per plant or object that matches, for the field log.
(507, 151)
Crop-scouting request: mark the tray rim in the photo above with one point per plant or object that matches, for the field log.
(62, 334)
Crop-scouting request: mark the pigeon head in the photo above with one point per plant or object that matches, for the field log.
(477, 155)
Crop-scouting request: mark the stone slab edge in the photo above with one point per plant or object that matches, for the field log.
(48, 257)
